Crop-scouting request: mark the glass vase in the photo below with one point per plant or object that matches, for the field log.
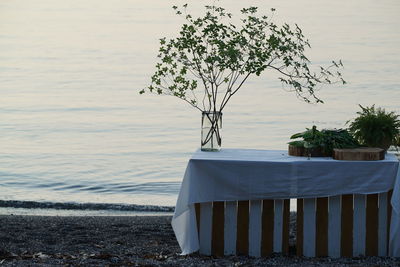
(211, 125)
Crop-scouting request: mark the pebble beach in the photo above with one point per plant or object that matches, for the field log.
(126, 241)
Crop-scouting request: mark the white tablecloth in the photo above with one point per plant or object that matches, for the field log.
(240, 174)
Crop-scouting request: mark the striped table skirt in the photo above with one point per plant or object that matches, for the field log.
(338, 226)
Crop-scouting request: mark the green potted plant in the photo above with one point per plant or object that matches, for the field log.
(317, 143)
(397, 143)
(375, 127)
(213, 56)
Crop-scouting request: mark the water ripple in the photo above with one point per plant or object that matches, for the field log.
(82, 206)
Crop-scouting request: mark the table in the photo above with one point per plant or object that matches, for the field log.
(245, 174)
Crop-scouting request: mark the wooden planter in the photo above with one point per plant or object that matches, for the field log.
(362, 153)
(302, 152)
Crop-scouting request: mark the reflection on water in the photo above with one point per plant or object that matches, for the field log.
(74, 128)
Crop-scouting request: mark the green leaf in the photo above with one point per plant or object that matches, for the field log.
(208, 46)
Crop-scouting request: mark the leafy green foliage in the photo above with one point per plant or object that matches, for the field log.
(325, 139)
(396, 143)
(221, 56)
(374, 127)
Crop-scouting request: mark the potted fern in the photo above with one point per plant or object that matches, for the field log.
(375, 127)
(315, 143)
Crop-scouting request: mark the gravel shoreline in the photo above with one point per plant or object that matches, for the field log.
(125, 241)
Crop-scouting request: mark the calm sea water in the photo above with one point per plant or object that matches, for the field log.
(73, 127)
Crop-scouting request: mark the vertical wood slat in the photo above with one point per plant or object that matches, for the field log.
(371, 236)
(242, 241)
(322, 227)
(230, 228)
(389, 218)
(309, 227)
(334, 225)
(359, 227)
(346, 240)
(217, 240)
(285, 230)
(299, 222)
(255, 228)
(205, 226)
(267, 238)
(382, 225)
(278, 225)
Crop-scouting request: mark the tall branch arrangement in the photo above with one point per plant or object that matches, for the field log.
(212, 58)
